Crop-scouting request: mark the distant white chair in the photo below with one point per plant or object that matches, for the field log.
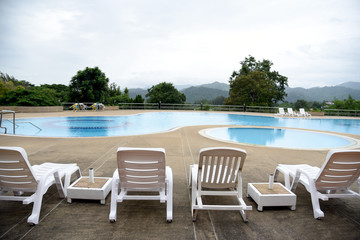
(281, 112)
(218, 174)
(142, 170)
(290, 112)
(302, 113)
(339, 171)
(18, 176)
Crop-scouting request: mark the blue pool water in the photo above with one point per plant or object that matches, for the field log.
(146, 123)
(285, 138)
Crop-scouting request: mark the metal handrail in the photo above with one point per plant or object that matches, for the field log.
(32, 124)
(1, 117)
(13, 121)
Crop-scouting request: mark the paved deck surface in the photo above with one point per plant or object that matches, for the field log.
(85, 219)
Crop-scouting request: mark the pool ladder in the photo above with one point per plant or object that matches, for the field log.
(1, 119)
(13, 121)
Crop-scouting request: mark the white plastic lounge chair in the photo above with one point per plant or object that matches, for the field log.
(218, 174)
(290, 112)
(142, 170)
(18, 176)
(281, 112)
(302, 113)
(340, 170)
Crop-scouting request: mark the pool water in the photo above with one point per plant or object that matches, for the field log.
(285, 138)
(104, 126)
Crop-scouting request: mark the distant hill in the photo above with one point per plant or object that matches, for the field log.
(199, 93)
(217, 85)
(353, 85)
(133, 92)
(192, 93)
(216, 89)
(321, 94)
(181, 87)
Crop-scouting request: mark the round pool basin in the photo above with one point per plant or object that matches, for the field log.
(279, 137)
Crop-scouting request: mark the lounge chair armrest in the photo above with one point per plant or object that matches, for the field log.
(297, 178)
(44, 177)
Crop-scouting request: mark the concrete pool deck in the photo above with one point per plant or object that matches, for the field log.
(85, 219)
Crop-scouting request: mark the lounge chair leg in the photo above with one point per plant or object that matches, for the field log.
(286, 177)
(35, 214)
(169, 194)
(114, 193)
(316, 206)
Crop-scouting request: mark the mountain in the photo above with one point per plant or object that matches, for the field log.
(320, 94)
(353, 85)
(199, 93)
(217, 85)
(192, 93)
(133, 92)
(181, 87)
(216, 89)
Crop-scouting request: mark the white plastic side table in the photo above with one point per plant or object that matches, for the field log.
(278, 196)
(84, 189)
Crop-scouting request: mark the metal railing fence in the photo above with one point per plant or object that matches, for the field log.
(210, 107)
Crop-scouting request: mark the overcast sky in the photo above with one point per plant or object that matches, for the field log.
(141, 43)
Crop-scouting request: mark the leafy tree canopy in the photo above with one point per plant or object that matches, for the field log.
(300, 103)
(349, 103)
(89, 85)
(256, 84)
(61, 91)
(165, 93)
(30, 97)
(138, 99)
(12, 82)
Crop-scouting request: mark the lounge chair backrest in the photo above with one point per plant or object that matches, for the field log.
(141, 169)
(281, 111)
(219, 167)
(16, 173)
(340, 170)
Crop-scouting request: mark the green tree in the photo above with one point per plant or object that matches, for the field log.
(165, 93)
(114, 90)
(138, 99)
(12, 82)
(89, 85)
(36, 96)
(256, 84)
(349, 104)
(218, 100)
(3, 89)
(301, 103)
(61, 91)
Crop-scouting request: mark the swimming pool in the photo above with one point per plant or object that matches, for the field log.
(146, 123)
(278, 137)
